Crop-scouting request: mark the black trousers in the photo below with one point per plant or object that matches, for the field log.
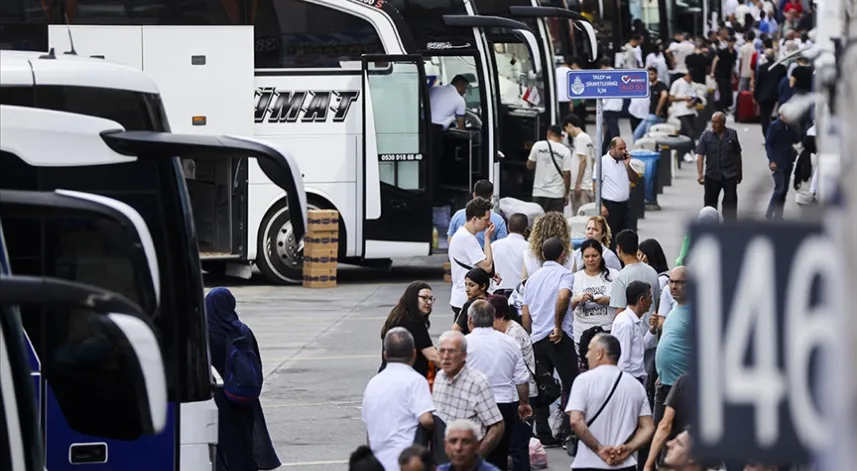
(561, 357)
(730, 196)
(724, 86)
(611, 128)
(661, 393)
(765, 110)
(549, 204)
(618, 218)
(499, 457)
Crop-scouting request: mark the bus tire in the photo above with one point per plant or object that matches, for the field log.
(277, 254)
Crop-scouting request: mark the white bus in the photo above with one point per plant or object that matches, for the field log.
(341, 85)
(87, 125)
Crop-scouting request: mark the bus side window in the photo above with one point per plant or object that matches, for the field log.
(294, 34)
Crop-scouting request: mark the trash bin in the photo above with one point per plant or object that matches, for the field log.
(650, 159)
(637, 202)
(666, 144)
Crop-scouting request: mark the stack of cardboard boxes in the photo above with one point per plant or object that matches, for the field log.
(321, 248)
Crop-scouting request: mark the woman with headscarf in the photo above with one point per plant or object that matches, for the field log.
(707, 215)
(243, 440)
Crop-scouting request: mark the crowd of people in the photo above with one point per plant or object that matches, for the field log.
(601, 332)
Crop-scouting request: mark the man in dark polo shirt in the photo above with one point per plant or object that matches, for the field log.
(718, 163)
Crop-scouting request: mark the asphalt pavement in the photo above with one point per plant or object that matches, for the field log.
(321, 346)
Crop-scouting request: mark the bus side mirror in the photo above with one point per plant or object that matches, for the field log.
(106, 373)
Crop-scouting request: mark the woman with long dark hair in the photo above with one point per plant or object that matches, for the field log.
(590, 293)
(243, 440)
(651, 253)
(476, 284)
(412, 312)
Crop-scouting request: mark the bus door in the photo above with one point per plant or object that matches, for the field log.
(397, 169)
(80, 237)
(510, 175)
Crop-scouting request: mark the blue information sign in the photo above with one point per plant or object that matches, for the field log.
(594, 84)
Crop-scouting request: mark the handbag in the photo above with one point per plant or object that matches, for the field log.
(550, 389)
(573, 441)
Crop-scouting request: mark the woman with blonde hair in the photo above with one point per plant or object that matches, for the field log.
(550, 224)
(598, 229)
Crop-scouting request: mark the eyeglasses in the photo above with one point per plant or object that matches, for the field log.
(677, 282)
(428, 299)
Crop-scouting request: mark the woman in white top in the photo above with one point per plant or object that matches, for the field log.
(590, 292)
(657, 60)
(550, 224)
(651, 253)
(597, 228)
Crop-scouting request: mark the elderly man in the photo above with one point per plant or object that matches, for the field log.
(461, 443)
(461, 392)
(499, 358)
(417, 458)
(396, 401)
(609, 411)
(719, 166)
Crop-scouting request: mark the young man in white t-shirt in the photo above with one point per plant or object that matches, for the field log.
(552, 162)
(582, 161)
(465, 253)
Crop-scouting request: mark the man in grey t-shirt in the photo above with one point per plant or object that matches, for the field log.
(627, 243)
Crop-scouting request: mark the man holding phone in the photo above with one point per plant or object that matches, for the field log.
(616, 178)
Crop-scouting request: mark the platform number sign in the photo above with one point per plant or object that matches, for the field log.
(763, 301)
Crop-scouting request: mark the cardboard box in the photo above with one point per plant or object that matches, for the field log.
(319, 275)
(322, 220)
(314, 250)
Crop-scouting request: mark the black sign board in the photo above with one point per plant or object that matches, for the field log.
(761, 299)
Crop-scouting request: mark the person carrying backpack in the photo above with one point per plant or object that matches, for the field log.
(243, 440)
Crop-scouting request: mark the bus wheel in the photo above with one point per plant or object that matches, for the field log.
(278, 255)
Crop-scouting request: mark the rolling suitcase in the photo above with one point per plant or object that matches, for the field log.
(746, 109)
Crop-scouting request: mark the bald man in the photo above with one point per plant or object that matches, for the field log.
(616, 178)
(719, 166)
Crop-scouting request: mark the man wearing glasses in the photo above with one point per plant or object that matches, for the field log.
(671, 358)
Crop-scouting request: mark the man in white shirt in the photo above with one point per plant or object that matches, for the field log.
(745, 59)
(500, 359)
(509, 254)
(396, 401)
(447, 102)
(552, 162)
(546, 314)
(465, 253)
(679, 49)
(616, 178)
(683, 101)
(581, 162)
(604, 440)
(633, 335)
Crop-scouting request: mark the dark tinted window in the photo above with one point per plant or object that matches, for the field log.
(295, 34)
(134, 111)
(425, 21)
(111, 12)
(24, 11)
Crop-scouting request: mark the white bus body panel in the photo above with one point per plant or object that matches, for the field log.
(198, 432)
(119, 44)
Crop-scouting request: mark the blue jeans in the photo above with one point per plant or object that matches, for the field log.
(644, 126)
(781, 188)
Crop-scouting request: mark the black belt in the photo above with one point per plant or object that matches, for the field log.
(614, 202)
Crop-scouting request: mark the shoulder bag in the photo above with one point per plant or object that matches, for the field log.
(555, 165)
(549, 387)
(573, 441)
